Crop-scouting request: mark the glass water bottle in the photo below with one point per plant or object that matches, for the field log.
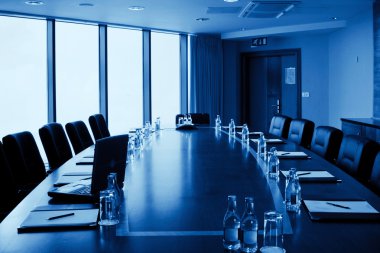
(249, 226)
(231, 225)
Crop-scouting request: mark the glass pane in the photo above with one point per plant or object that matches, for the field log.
(165, 67)
(125, 80)
(77, 71)
(23, 76)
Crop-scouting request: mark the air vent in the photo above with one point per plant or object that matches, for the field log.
(223, 10)
(261, 9)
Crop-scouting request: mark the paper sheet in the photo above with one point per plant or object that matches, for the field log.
(312, 174)
(291, 154)
(80, 217)
(322, 206)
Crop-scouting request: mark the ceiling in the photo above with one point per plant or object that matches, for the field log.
(180, 15)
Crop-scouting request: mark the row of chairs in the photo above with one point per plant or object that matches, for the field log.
(356, 155)
(21, 164)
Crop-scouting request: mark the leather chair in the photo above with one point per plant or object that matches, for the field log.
(197, 118)
(79, 136)
(98, 126)
(279, 125)
(374, 180)
(27, 166)
(56, 145)
(326, 142)
(8, 189)
(356, 156)
(301, 132)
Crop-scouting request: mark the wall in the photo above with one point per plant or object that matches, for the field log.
(314, 64)
(351, 70)
(337, 71)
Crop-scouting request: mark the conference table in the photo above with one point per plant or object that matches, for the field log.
(175, 198)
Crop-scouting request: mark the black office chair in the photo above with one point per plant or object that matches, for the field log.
(197, 118)
(8, 189)
(326, 142)
(374, 180)
(356, 156)
(24, 159)
(56, 145)
(301, 132)
(279, 125)
(79, 136)
(98, 126)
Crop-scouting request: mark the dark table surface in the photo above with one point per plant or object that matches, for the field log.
(176, 196)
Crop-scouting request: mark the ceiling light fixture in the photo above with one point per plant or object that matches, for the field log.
(334, 18)
(34, 3)
(136, 8)
(86, 4)
(231, 1)
(202, 19)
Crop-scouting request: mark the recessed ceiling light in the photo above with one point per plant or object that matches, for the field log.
(202, 19)
(136, 8)
(334, 18)
(34, 3)
(86, 4)
(231, 1)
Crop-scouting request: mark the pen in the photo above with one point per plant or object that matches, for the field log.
(332, 204)
(60, 216)
(305, 173)
(286, 153)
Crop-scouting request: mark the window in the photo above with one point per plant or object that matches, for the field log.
(77, 71)
(23, 76)
(165, 77)
(125, 80)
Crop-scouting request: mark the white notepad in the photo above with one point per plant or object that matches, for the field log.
(310, 174)
(80, 215)
(291, 154)
(339, 206)
(274, 141)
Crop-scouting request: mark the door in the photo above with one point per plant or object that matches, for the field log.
(270, 85)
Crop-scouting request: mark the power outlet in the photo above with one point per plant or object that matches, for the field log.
(305, 94)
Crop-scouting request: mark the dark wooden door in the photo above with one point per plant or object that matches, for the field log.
(270, 85)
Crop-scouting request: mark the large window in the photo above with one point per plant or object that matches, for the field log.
(77, 71)
(165, 67)
(23, 75)
(125, 80)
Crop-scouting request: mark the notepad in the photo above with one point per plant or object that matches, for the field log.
(74, 217)
(317, 176)
(274, 141)
(341, 209)
(86, 161)
(292, 155)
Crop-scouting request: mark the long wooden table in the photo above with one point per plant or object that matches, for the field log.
(176, 196)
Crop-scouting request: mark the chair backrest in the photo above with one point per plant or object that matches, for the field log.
(79, 136)
(197, 118)
(279, 125)
(301, 132)
(374, 180)
(8, 188)
(356, 156)
(326, 142)
(56, 145)
(24, 159)
(98, 126)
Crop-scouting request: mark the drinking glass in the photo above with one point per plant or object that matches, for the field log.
(273, 240)
(108, 208)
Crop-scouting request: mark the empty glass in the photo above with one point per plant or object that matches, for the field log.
(108, 208)
(180, 121)
(273, 240)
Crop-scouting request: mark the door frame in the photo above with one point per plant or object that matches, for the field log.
(245, 57)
